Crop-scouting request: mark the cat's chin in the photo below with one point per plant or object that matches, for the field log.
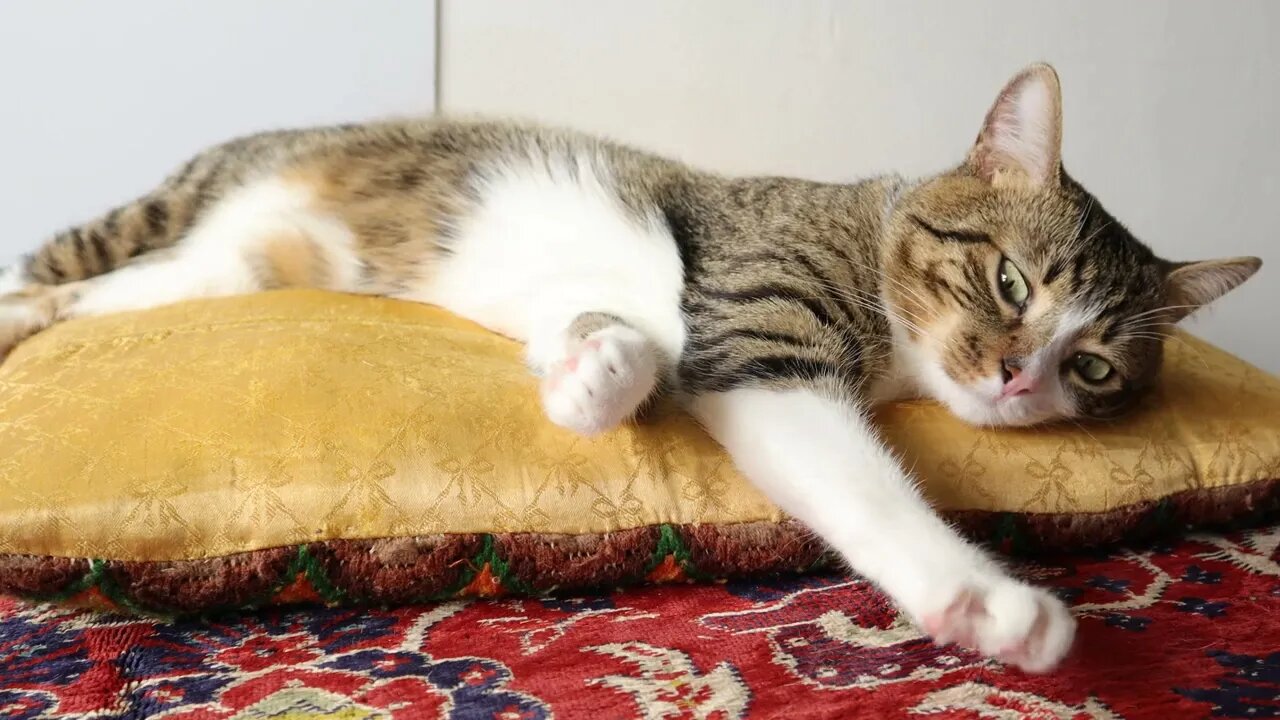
(1001, 413)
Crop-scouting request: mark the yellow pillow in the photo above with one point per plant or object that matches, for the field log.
(300, 445)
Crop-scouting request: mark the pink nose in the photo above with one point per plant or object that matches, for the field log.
(1016, 382)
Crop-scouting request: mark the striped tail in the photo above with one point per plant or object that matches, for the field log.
(108, 242)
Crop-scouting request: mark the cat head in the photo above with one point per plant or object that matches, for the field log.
(1018, 298)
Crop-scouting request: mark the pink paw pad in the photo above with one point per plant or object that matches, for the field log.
(1013, 623)
(955, 624)
(571, 362)
(601, 381)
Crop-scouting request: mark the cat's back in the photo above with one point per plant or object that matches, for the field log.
(509, 224)
(477, 145)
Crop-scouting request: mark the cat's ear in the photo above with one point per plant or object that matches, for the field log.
(1190, 286)
(1021, 140)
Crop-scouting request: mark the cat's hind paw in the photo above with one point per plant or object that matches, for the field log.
(602, 381)
(1009, 621)
(23, 315)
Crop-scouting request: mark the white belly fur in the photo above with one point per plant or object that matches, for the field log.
(546, 245)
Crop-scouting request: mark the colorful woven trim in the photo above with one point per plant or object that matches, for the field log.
(418, 569)
(1233, 507)
(396, 571)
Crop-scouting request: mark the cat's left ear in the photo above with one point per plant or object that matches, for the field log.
(1190, 286)
(1021, 140)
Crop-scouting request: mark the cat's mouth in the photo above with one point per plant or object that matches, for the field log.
(1022, 410)
(984, 403)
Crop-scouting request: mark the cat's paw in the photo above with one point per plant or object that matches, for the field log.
(601, 381)
(1014, 623)
(20, 318)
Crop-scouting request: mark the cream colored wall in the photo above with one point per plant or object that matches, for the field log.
(1172, 108)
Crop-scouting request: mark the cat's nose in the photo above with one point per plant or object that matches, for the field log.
(1016, 382)
(1010, 368)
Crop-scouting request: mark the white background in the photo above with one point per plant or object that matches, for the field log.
(1172, 108)
(100, 100)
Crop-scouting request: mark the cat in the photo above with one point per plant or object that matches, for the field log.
(778, 310)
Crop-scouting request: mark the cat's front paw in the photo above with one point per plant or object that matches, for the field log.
(1009, 621)
(602, 380)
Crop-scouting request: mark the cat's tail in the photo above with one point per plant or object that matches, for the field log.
(97, 247)
(154, 221)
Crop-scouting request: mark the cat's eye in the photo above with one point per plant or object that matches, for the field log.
(1013, 287)
(1091, 367)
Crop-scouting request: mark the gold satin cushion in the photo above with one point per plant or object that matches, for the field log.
(301, 420)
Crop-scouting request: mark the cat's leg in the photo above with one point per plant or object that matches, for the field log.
(26, 311)
(265, 235)
(596, 373)
(819, 459)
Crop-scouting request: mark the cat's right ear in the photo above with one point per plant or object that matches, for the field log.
(1192, 285)
(1021, 139)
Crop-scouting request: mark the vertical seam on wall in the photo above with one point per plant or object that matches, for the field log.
(439, 76)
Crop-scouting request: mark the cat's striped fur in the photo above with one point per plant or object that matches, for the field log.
(779, 309)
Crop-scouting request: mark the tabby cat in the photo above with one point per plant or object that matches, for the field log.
(778, 310)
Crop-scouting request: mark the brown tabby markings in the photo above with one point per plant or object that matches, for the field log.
(783, 276)
(775, 292)
(291, 260)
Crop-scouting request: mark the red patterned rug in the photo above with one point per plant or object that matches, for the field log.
(1187, 630)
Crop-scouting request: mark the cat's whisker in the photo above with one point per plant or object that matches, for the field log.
(875, 308)
(899, 284)
(1144, 322)
(882, 275)
(899, 311)
(1161, 309)
(1191, 350)
(1121, 329)
(1085, 430)
(1146, 328)
(846, 290)
(1084, 218)
(846, 293)
(868, 301)
(910, 292)
(1080, 245)
(1153, 311)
